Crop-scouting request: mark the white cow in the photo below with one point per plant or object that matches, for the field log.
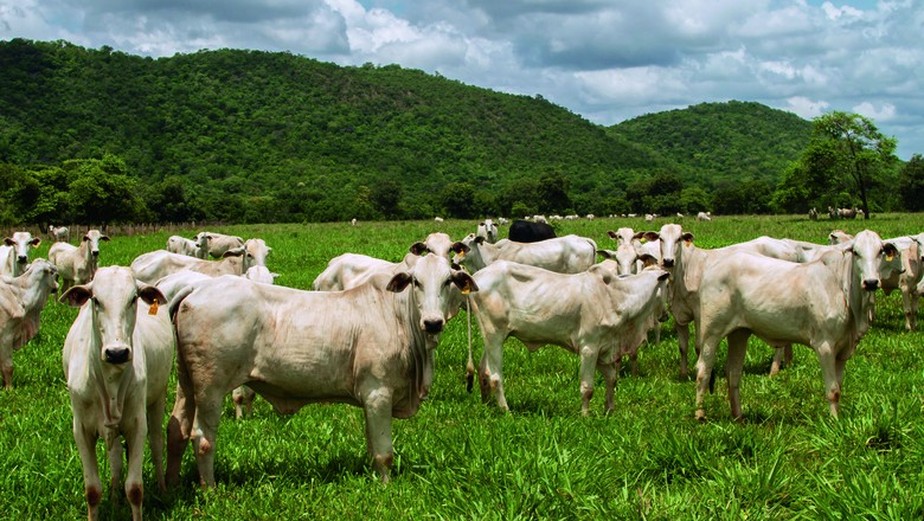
(370, 346)
(216, 244)
(59, 233)
(21, 302)
(595, 314)
(117, 358)
(253, 253)
(77, 264)
(153, 266)
(14, 253)
(826, 304)
(910, 252)
(352, 269)
(568, 254)
(703, 216)
(184, 246)
(488, 230)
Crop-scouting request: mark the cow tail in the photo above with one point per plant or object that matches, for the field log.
(180, 424)
(174, 304)
(470, 364)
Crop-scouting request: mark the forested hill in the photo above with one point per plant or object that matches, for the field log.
(722, 142)
(259, 137)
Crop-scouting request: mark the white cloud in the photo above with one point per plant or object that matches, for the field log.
(884, 113)
(805, 107)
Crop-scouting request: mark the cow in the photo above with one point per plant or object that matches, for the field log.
(595, 314)
(14, 253)
(703, 216)
(153, 266)
(908, 278)
(371, 346)
(847, 213)
(77, 264)
(813, 214)
(117, 358)
(488, 230)
(216, 244)
(825, 304)
(260, 274)
(253, 253)
(184, 246)
(526, 231)
(59, 233)
(21, 302)
(349, 270)
(568, 254)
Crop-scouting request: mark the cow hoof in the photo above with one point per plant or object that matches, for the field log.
(700, 415)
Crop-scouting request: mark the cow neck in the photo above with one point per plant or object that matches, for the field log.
(33, 297)
(861, 303)
(420, 354)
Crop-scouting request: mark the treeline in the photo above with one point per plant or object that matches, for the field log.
(248, 136)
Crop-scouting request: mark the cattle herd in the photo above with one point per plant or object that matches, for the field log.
(366, 332)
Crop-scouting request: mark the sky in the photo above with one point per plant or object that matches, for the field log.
(605, 60)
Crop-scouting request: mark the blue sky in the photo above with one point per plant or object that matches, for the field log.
(606, 60)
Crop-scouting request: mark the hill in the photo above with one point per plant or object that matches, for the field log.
(250, 136)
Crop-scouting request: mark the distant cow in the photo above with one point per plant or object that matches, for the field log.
(827, 305)
(59, 233)
(14, 253)
(594, 314)
(117, 358)
(703, 216)
(216, 244)
(21, 302)
(184, 246)
(488, 230)
(77, 264)
(371, 346)
(526, 231)
(568, 254)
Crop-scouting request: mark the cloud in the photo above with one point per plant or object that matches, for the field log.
(805, 107)
(885, 113)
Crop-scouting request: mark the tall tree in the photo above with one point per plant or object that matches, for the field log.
(863, 152)
(911, 184)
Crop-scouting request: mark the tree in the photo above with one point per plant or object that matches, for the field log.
(911, 184)
(862, 153)
(101, 192)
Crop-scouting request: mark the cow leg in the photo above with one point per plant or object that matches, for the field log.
(154, 416)
(610, 376)
(491, 373)
(829, 372)
(242, 396)
(683, 343)
(6, 366)
(377, 405)
(588, 364)
(114, 451)
(134, 487)
(782, 356)
(909, 304)
(85, 438)
(737, 346)
(704, 373)
(179, 428)
(205, 429)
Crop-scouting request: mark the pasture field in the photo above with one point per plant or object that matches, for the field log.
(461, 459)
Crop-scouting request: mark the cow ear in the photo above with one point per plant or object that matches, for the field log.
(890, 250)
(234, 252)
(150, 295)
(479, 240)
(664, 275)
(606, 254)
(648, 236)
(648, 260)
(464, 282)
(8, 241)
(76, 296)
(687, 237)
(460, 247)
(398, 282)
(419, 248)
(104, 238)
(612, 234)
(36, 241)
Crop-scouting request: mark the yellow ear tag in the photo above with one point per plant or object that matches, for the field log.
(465, 290)
(153, 309)
(889, 257)
(461, 254)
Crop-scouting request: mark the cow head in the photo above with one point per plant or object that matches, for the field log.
(253, 253)
(431, 279)
(113, 295)
(873, 259)
(92, 238)
(672, 238)
(21, 242)
(43, 276)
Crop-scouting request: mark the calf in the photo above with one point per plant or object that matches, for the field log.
(117, 358)
(14, 253)
(77, 264)
(371, 346)
(21, 302)
(594, 314)
(826, 304)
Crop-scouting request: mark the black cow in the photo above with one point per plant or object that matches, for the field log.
(527, 231)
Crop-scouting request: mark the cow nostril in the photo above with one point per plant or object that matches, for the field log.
(870, 285)
(433, 326)
(117, 355)
(668, 263)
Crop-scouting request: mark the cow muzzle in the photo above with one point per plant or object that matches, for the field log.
(95, 253)
(433, 326)
(871, 284)
(22, 259)
(117, 355)
(667, 263)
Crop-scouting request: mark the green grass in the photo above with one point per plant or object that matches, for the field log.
(459, 458)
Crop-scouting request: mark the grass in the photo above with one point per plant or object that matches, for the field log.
(459, 458)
